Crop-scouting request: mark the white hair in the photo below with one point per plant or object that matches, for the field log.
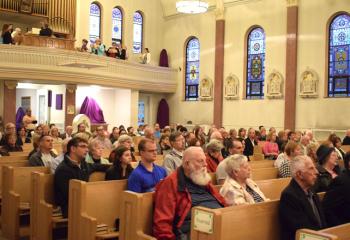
(214, 146)
(124, 138)
(298, 164)
(234, 162)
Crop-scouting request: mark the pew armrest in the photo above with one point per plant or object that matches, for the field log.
(88, 226)
(143, 236)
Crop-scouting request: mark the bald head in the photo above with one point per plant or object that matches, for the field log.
(216, 135)
(348, 133)
(149, 133)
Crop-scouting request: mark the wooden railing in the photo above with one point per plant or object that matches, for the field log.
(51, 64)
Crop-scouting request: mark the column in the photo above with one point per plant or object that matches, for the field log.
(291, 64)
(219, 63)
(9, 102)
(70, 104)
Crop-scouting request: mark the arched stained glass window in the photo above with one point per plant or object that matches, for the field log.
(255, 64)
(339, 52)
(138, 32)
(117, 25)
(95, 21)
(192, 69)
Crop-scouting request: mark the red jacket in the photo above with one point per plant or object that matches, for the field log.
(173, 201)
(212, 163)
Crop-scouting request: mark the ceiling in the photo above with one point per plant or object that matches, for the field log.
(169, 8)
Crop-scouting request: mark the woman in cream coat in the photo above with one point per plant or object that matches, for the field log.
(238, 187)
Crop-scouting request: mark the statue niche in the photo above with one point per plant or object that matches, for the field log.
(309, 84)
(231, 87)
(206, 89)
(275, 85)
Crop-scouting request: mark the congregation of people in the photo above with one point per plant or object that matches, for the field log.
(184, 178)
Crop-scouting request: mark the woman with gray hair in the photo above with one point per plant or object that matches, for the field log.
(213, 154)
(238, 187)
(126, 141)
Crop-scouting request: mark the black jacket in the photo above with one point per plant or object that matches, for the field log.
(249, 148)
(324, 179)
(116, 172)
(6, 38)
(295, 211)
(66, 171)
(346, 140)
(336, 202)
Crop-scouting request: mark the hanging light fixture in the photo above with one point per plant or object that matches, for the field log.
(192, 6)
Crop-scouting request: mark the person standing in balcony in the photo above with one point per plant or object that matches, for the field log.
(146, 57)
(6, 34)
(98, 48)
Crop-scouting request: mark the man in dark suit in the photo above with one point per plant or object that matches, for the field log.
(299, 206)
(336, 202)
(250, 143)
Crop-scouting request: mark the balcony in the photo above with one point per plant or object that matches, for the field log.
(50, 65)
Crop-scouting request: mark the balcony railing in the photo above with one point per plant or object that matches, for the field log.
(24, 63)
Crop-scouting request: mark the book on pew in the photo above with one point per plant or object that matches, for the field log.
(57, 213)
(102, 229)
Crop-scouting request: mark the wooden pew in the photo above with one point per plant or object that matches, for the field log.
(261, 164)
(93, 203)
(257, 157)
(264, 173)
(258, 149)
(42, 207)
(232, 223)
(273, 188)
(341, 232)
(97, 176)
(132, 226)
(16, 199)
(346, 148)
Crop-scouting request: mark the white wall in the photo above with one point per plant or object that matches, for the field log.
(115, 103)
(34, 91)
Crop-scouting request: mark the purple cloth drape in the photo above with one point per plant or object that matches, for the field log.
(163, 113)
(91, 109)
(163, 59)
(19, 117)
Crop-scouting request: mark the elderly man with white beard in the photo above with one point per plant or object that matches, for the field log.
(189, 186)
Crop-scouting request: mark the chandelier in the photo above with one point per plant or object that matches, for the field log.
(192, 6)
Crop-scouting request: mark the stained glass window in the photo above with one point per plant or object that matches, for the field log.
(141, 113)
(192, 69)
(338, 61)
(95, 22)
(117, 24)
(255, 64)
(138, 29)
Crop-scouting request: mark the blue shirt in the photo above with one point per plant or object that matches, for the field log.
(157, 134)
(141, 180)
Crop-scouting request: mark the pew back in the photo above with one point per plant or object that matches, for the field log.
(341, 231)
(264, 173)
(273, 188)
(4, 161)
(261, 164)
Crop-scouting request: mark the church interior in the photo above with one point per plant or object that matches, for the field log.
(225, 65)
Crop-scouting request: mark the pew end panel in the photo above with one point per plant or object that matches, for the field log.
(92, 204)
(312, 234)
(16, 199)
(227, 222)
(132, 226)
(341, 231)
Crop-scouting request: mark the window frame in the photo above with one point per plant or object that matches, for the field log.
(142, 32)
(100, 20)
(185, 98)
(122, 24)
(245, 65)
(327, 58)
